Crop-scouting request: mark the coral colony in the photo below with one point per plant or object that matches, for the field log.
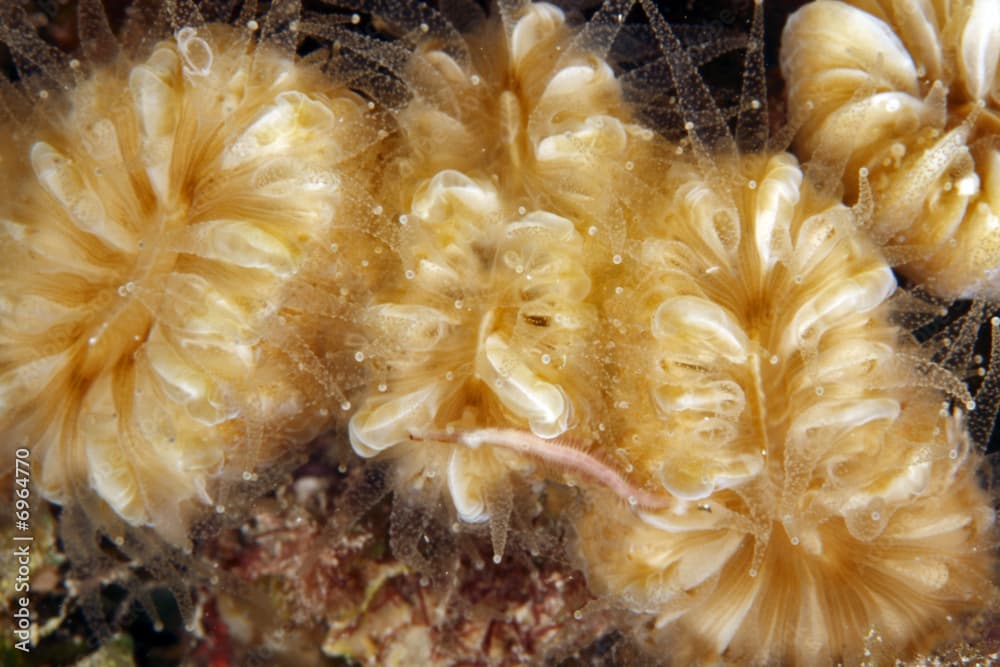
(458, 246)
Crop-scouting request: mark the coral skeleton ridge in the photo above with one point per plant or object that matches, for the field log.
(908, 95)
(466, 251)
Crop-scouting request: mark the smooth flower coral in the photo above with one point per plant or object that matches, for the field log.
(907, 94)
(526, 102)
(485, 330)
(502, 206)
(170, 271)
(823, 494)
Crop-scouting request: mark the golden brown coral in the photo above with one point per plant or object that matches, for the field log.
(908, 95)
(821, 494)
(170, 233)
(507, 204)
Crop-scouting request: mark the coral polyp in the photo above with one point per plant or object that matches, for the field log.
(169, 232)
(530, 102)
(824, 492)
(502, 215)
(484, 331)
(910, 93)
(752, 303)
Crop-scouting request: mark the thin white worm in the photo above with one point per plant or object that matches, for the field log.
(555, 452)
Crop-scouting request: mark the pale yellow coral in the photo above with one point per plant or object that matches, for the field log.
(821, 491)
(170, 272)
(910, 93)
(532, 109)
(485, 329)
(501, 208)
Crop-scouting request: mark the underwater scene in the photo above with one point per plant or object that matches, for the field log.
(497, 332)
